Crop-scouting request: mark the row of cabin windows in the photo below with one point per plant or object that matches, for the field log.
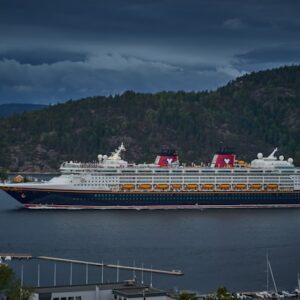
(177, 198)
(203, 176)
(86, 184)
(68, 298)
(119, 298)
(102, 180)
(185, 175)
(196, 171)
(138, 179)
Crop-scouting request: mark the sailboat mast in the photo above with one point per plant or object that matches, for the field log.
(267, 272)
(272, 276)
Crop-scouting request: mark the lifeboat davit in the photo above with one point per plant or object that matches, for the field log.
(127, 186)
(145, 186)
(162, 186)
(256, 186)
(192, 186)
(208, 186)
(224, 186)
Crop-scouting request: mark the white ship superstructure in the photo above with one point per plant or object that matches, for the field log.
(112, 182)
(113, 173)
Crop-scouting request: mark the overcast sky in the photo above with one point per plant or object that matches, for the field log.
(55, 50)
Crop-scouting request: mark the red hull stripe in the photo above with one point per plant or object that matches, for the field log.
(161, 207)
(21, 189)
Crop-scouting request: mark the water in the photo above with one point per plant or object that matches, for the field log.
(212, 247)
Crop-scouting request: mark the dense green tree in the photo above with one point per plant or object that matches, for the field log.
(222, 294)
(3, 174)
(297, 159)
(187, 296)
(11, 287)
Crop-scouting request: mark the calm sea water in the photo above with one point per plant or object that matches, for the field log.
(212, 247)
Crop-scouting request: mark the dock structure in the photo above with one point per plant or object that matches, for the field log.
(10, 256)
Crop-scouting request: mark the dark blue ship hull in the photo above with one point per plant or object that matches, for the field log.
(147, 200)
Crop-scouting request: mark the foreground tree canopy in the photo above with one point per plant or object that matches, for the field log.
(222, 294)
(3, 174)
(10, 286)
(187, 296)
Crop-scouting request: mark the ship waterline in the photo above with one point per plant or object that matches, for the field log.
(55, 198)
(165, 184)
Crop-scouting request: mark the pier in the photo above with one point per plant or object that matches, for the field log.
(19, 256)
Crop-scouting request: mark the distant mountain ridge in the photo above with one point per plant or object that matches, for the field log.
(9, 109)
(254, 113)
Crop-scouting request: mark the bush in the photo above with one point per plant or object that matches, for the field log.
(10, 285)
(3, 174)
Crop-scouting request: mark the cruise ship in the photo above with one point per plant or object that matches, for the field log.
(113, 183)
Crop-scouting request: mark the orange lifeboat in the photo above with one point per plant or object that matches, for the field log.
(145, 186)
(18, 179)
(162, 186)
(240, 186)
(224, 186)
(272, 186)
(208, 186)
(127, 186)
(176, 186)
(255, 186)
(192, 186)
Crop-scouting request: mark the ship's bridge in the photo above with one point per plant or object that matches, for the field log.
(271, 162)
(114, 160)
(104, 161)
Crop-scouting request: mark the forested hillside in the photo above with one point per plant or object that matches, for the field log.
(252, 114)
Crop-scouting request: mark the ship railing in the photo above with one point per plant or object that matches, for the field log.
(207, 186)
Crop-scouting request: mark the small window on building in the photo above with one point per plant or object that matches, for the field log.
(78, 298)
(55, 298)
(63, 298)
(70, 298)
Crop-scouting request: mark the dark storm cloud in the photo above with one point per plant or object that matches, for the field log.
(54, 50)
(40, 56)
(278, 53)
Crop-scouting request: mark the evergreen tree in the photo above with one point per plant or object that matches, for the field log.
(10, 286)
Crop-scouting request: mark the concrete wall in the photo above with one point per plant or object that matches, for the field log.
(96, 294)
(149, 298)
(85, 295)
(105, 295)
(93, 295)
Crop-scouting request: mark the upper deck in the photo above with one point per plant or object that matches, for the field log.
(114, 164)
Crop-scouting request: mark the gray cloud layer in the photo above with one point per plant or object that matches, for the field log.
(55, 50)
